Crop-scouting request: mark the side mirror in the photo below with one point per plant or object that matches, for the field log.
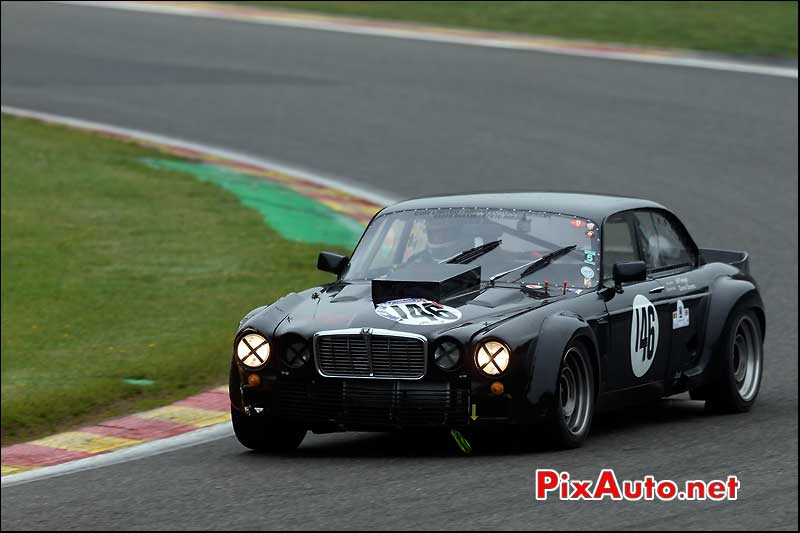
(629, 272)
(331, 262)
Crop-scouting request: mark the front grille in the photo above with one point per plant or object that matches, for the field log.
(361, 404)
(370, 353)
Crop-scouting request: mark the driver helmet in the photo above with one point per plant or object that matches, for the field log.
(444, 237)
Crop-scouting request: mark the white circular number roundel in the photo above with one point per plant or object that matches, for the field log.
(417, 312)
(644, 335)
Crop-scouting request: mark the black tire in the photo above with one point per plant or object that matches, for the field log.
(571, 420)
(739, 365)
(263, 434)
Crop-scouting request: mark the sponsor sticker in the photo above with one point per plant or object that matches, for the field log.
(587, 272)
(590, 257)
(417, 312)
(681, 284)
(680, 316)
(644, 335)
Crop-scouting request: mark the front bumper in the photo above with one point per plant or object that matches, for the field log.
(330, 404)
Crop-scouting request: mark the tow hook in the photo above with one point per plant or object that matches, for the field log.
(461, 441)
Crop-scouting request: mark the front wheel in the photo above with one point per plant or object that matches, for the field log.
(575, 398)
(262, 434)
(739, 365)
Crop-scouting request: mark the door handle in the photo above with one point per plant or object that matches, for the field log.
(655, 290)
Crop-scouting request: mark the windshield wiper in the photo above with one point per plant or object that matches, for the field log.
(467, 256)
(536, 264)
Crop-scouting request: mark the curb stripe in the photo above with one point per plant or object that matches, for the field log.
(81, 441)
(190, 416)
(198, 411)
(122, 455)
(132, 427)
(32, 456)
(213, 401)
(428, 33)
(6, 470)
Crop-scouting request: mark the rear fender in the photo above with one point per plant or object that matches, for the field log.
(726, 293)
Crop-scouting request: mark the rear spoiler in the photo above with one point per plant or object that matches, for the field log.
(740, 260)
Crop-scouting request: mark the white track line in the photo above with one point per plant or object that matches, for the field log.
(377, 197)
(442, 37)
(139, 451)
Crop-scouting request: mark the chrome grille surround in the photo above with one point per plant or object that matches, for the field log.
(369, 353)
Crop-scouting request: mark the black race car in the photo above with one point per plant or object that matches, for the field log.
(481, 311)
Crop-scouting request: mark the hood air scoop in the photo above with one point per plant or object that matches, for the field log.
(435, 282)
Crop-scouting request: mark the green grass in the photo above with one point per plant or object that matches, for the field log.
(113, 270)
(739, 28)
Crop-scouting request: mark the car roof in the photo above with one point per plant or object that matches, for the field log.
(585, 205)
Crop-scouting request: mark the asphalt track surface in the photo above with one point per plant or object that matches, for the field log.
(412, 118)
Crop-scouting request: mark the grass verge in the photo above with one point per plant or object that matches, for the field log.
(113, 270)
(736, 28)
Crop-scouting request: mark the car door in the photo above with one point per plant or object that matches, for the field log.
(639, 317)
(672, 261)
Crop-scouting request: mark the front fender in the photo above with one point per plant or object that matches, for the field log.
(555, 334)
(267, 318)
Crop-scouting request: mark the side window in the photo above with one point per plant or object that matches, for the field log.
(673, 252)
(618, 244)
(648, 239)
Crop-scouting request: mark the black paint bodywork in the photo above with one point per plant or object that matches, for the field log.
(537, 328)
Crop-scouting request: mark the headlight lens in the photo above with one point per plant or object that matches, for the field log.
(492, 357)
(253, 350)
(297, 354)
(447, 355)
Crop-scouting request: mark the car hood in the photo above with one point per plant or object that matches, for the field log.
(350, 305)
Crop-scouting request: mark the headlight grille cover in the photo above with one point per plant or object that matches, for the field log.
(297, 353)
(447, 355)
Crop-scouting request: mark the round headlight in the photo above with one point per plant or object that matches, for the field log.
(253, 350)
(492, 357)
(447, 355)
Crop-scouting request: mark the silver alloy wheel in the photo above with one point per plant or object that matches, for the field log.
(575, 391)
(747, 357)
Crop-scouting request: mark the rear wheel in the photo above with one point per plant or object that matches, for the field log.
(740, 365)
(263, 434)
(575, 398)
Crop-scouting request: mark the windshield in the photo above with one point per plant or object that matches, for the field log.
(432, 236)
